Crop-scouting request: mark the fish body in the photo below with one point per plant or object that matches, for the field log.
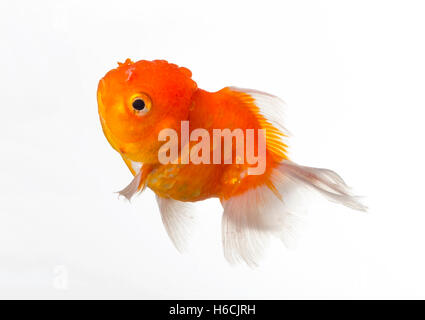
(138, 101)
(194, 182)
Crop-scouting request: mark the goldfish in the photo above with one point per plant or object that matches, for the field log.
(169, 133)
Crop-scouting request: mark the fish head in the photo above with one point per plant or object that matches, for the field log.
(138, 100)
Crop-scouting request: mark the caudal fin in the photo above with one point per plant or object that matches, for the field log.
(325, 181)
(249, 219)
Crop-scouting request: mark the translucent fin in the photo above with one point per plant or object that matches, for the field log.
(271, 106)
(129, 191)
(133, 166)
(326, 181)
(138, 183)
(177, 220)
(269, 111)
(251, 218)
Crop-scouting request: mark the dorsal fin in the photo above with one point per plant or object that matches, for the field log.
(268, 110)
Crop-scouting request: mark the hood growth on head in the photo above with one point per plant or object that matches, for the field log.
(137, 100)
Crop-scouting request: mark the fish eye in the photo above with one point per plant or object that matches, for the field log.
(140, 103)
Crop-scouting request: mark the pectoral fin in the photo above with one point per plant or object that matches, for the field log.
(138, 183)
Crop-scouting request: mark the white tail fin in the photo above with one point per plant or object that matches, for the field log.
(326, 181)
(249, 219)
(248, 222)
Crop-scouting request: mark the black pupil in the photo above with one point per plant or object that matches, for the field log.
(138, 104)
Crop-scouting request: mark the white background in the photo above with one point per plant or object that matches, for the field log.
(353, 76)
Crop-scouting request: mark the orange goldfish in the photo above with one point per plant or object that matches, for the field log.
(139, 100)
